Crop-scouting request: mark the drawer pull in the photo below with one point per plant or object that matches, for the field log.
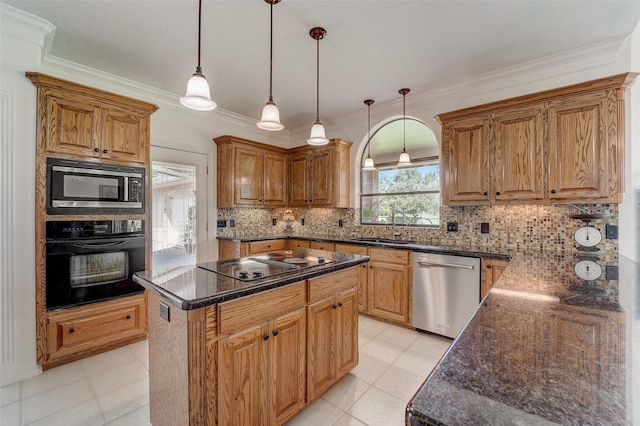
(340, 304)
(485, 193)
(72, 330)
(334, 306)
(275, 332)
(104, 151)
(553, 191)
(265, 336)
(96, 149)
(128, 316)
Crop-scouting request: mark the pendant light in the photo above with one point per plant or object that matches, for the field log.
(404, 160)
(198, 96)
(368, 162)
(270, 115)
(317, 131)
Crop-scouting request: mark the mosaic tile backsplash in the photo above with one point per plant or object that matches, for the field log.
(511, 228)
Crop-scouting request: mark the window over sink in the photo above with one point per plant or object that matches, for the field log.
(402, 195)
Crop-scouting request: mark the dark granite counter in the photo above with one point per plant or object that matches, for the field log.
(192, 287)
(418, 246)
(544, 347)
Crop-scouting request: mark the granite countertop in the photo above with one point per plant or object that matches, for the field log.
(192, 287)
(418, 246)
(544, 347)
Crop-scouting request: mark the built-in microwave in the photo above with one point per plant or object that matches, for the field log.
(78, 187)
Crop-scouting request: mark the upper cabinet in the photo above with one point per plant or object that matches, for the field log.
(250, 174)
(560, 146)
(86, 123)
(320, 175)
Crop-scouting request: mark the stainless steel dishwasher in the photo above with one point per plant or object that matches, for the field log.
(446, 292)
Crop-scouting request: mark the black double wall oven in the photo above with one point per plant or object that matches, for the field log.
(91, 261)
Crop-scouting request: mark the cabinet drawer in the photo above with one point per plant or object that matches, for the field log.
(81, 329)
(251, 310)
(269, 245)
(298, 244)
(319, 245)
(400, 257)
(352, 249)
(329, 284)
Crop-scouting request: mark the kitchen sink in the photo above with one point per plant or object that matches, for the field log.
(381, 240)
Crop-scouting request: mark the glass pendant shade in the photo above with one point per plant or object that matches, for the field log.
(198, 96)
(368, 164)
(404, 160)
(317, 135)
(270, 118)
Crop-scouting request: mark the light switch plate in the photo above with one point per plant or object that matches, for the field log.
(164, 311)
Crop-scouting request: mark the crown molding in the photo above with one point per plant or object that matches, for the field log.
(24, 26)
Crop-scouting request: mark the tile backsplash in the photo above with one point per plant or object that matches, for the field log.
(511, 228)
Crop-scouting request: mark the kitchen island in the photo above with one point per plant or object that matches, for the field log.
(252, 340)
(544, 347)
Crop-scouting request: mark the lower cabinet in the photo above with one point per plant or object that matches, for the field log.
(261, 372)
(390, 284)
(363, 273)
(91, 327)
(332, 341)
(491, 269)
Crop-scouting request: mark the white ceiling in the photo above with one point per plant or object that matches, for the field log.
(372, 48)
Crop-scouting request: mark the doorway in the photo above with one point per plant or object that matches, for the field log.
(178, 208)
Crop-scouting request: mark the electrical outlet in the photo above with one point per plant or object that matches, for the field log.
(611, 232)
(452, 226)
(340, 223)
(222, 223)
(484, 228)
(164, 311)
(232, 223)
(274, 221)
(302, 221)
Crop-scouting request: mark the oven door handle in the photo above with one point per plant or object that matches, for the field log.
(99, 245)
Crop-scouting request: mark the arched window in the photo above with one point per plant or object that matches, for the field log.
(407, 195)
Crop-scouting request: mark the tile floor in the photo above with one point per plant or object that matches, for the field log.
(113, 388)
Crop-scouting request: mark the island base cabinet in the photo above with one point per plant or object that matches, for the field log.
(261, 372)
(332, 339)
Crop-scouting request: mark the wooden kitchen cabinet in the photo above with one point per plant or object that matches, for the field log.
(390, 284)
(84, 328)
(363, 273)
(261, 372)
(490, 271)
(564, 145)
(294, 244)
(250, 174)
(320, 176)
(87, 123)
(322, 245)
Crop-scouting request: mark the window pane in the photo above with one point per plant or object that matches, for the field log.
(411, 209)
(407, 179)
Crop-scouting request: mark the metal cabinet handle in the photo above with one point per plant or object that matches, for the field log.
(334, 306)
(128, 316)
(265, 336)
(275, 332)
(497, 192)
(96, 149)
(553, 191)
(340, 304)
(446, 265)
(72, 330)
(488, 266)
(104, 151)
(485, 193)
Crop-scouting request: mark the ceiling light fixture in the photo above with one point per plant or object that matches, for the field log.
(198, 96)
(270, 115)
(404, 160)
(317, 131)
(368, 162)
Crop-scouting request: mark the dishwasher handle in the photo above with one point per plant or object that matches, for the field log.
(444, 265)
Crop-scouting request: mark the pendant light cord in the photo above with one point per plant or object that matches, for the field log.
(369, 129)
(271, 56)
(318, 80)
(199, 69)
(404, 122)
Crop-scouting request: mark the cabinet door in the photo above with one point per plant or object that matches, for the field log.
(465, 162)
(389, 287)
(249, 175)
(321, 178)
(346, 332)
(242, 390)
(73, 128)
(299, 189)
(491, 271)
(320, 342)
(517, 149)
(124, 136)
(275, 180)
(363, 274)
(578, 156)
(287, 366)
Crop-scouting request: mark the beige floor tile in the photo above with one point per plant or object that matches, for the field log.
(319, 413)
(347, 420)
(371, 327)
(52, 378)
(399, 383)
(398, 336)
(117, 377)
(97, 364)
(141, 352)
(10, 394)
(433, 346)
(416, 363)
(49, 402)
(345, 392)
(382, 350)
(376, 407)
(369, 368)
(363, 339)
(139, 417)
(10, 414)
(84, 414)
(125, 400)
